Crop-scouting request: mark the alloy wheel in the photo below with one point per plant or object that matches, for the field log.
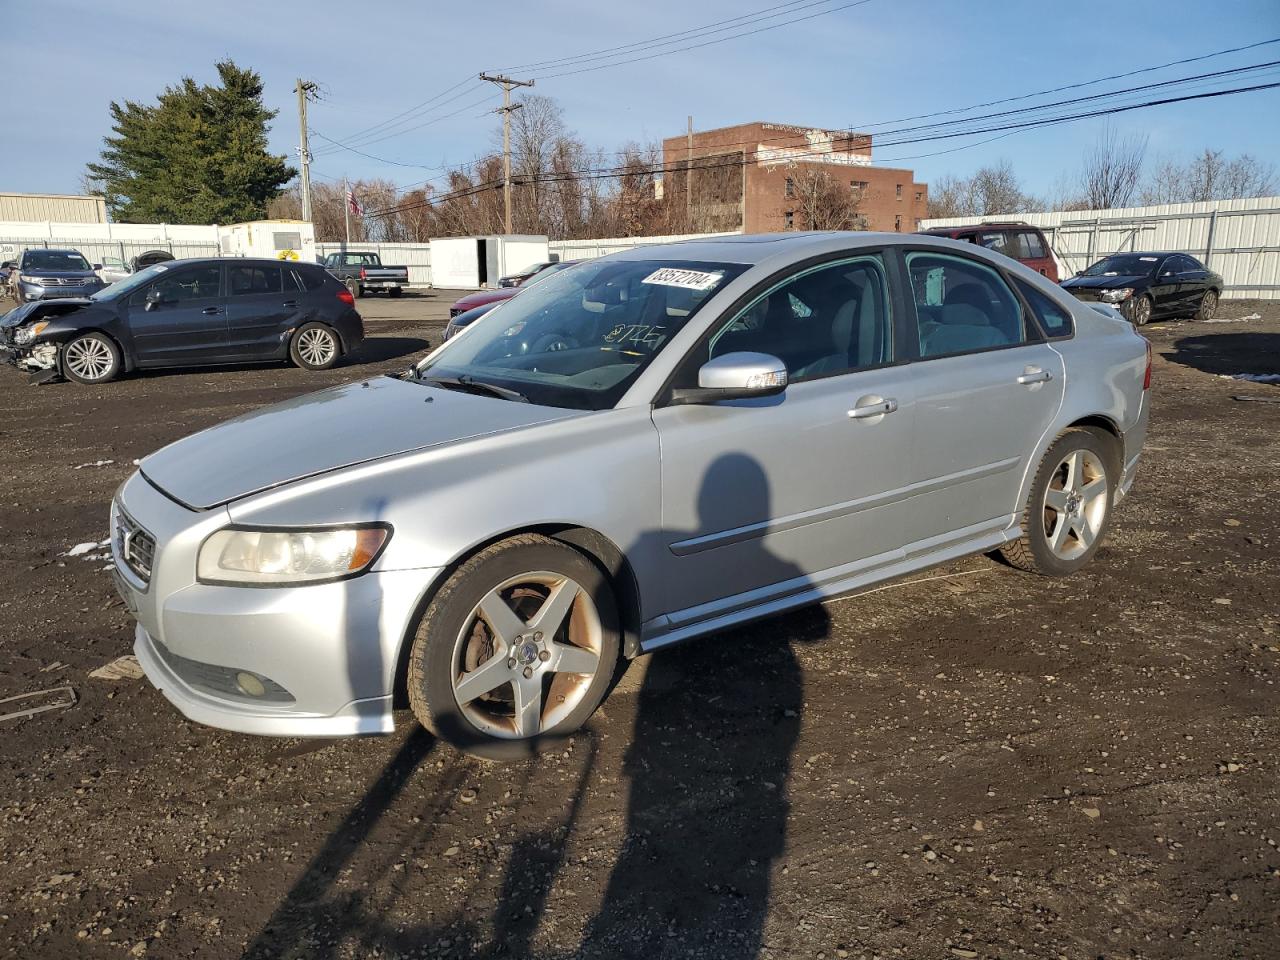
(1141, 311)
(89, 358)
(526, 655)
(1075, 504)
(316, 347)
(1208, 304)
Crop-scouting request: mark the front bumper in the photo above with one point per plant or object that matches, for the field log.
(35, 291)
(32, 357)
(326, 654)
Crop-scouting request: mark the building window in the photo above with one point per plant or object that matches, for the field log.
(790, 189)
(858, 184)
(899, 191)
(919, 196)
(789, 220)
(897, 223)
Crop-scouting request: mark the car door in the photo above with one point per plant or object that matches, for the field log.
(987, 391)
(1165, 298)
(768, 497)
(186, 324)
(1193, 281)
(263, 305)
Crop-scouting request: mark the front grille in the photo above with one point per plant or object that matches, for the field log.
(134, 545)
(65, 281)
(220, 681)
(1087, 296)
(453, 312)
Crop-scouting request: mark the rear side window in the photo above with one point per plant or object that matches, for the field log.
(1032, 245)
(962, 306)
(309, 279)
(1054, 319)
(249, 280)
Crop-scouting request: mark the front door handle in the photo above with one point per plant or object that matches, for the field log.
(290, 304)
(211, 310)
(1035, 375)
(868, 407)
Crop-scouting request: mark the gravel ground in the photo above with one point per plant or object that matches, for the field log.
(986, 764)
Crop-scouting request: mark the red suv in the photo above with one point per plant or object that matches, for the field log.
(1015, 239)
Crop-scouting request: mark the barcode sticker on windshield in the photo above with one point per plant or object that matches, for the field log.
(689, 279)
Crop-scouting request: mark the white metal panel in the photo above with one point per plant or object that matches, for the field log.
(52, 206)
(455, 262)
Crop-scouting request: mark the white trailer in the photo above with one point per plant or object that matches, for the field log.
(470, 262)
(274, 239)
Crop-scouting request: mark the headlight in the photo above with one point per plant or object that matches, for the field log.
(25, 279)
(25, 335)
(1115, 296)
(278, 557)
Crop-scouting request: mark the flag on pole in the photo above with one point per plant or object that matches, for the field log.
(353, 204)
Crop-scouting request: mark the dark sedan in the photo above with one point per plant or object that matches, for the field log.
(188, 313)
(1150, 286)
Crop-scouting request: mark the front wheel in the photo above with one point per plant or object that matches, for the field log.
(1140, 310)
(314, 347)
(91, 358)
(1069, 507)
(519, 644)
(1208, 303)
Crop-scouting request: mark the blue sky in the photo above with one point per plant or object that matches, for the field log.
(874, 62)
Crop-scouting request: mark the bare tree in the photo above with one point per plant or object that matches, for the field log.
(991, 190)
(1112, 169)
(824, 203)
(1209, 176)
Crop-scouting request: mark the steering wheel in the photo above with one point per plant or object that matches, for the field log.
(552, 342)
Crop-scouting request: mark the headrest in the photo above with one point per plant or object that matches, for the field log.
(962, 314)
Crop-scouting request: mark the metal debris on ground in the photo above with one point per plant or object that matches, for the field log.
(1252, 377)
(122, 668)
(66, 697)
(1258, 399)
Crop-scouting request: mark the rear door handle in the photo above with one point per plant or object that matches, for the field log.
(211, 310)
(872, 407)
(290, 303)
(1035, 375)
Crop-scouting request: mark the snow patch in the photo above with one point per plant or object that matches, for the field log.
(96, 463)
(80, 549)
(1251, 377)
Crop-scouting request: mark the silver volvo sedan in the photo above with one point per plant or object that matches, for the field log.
(644, 448)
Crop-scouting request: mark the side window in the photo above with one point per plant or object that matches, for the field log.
(1054, 319)
(198, 283)
(962, 306)
(1032, 246)
(248, 280)
(997, 240)
(827, 320)
(308, 279)
(1186, 264)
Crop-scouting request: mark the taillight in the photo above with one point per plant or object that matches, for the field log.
(1146, 377)
(346, 297)
(363, 275)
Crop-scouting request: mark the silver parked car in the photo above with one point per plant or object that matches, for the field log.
(641, 449)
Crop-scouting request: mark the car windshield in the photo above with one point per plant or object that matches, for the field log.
(546, 271)
(54, 260)
(580, 338)
(1124, 265)
(130, 283)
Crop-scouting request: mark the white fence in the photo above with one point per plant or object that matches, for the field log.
(590, 249)
(1240, 239)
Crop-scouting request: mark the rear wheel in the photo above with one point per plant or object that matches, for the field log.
(1208, 303)
(395, 291)
(314, 347)
(519, 644)
(354, 287)
(1069, 508)
(91, 358)
(1140, 311)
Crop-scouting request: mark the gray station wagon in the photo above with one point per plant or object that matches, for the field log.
(644, 448)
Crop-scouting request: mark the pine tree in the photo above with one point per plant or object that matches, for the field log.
(198, 155)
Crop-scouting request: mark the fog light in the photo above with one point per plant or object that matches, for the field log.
(250, 685)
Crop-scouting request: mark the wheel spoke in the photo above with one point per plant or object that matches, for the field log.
(1060, 531)
(1084, 532)
(490, 675)
(1094, 488)
(1056, 500)
(1073, 471)
(555, 608)
(528, 715)
(566, 658)
(501, 618)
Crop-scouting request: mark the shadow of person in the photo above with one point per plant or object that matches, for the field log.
(717, 720)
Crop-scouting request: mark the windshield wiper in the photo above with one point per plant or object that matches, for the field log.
(469, 384)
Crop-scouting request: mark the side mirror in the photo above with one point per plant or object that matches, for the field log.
(97, 266)
(735, 376)
(154, 298)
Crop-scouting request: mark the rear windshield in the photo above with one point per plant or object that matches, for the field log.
(54, 260)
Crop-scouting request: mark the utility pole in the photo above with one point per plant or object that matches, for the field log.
(346, 209)
(507, 85)
(305, 89)
(688, 178)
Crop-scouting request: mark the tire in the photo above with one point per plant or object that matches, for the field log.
(90, 358)
(315, 346)
(354, 287)
(1140, 311)
(1208, 303)
(503, 691)
(394, 292)
(1064, 492)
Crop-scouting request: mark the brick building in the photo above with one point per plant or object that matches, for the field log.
(756, 176)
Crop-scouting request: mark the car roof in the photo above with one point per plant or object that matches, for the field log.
(259, 261)
(1146, 253)
(755, 248)
(53, 250)
(976, 227)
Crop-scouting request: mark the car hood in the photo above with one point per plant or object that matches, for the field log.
(326, 431)
(1104, 283)
(62, 274)
(32, 309)
(485, 296)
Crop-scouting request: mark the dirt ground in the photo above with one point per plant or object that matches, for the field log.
(985, 765)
